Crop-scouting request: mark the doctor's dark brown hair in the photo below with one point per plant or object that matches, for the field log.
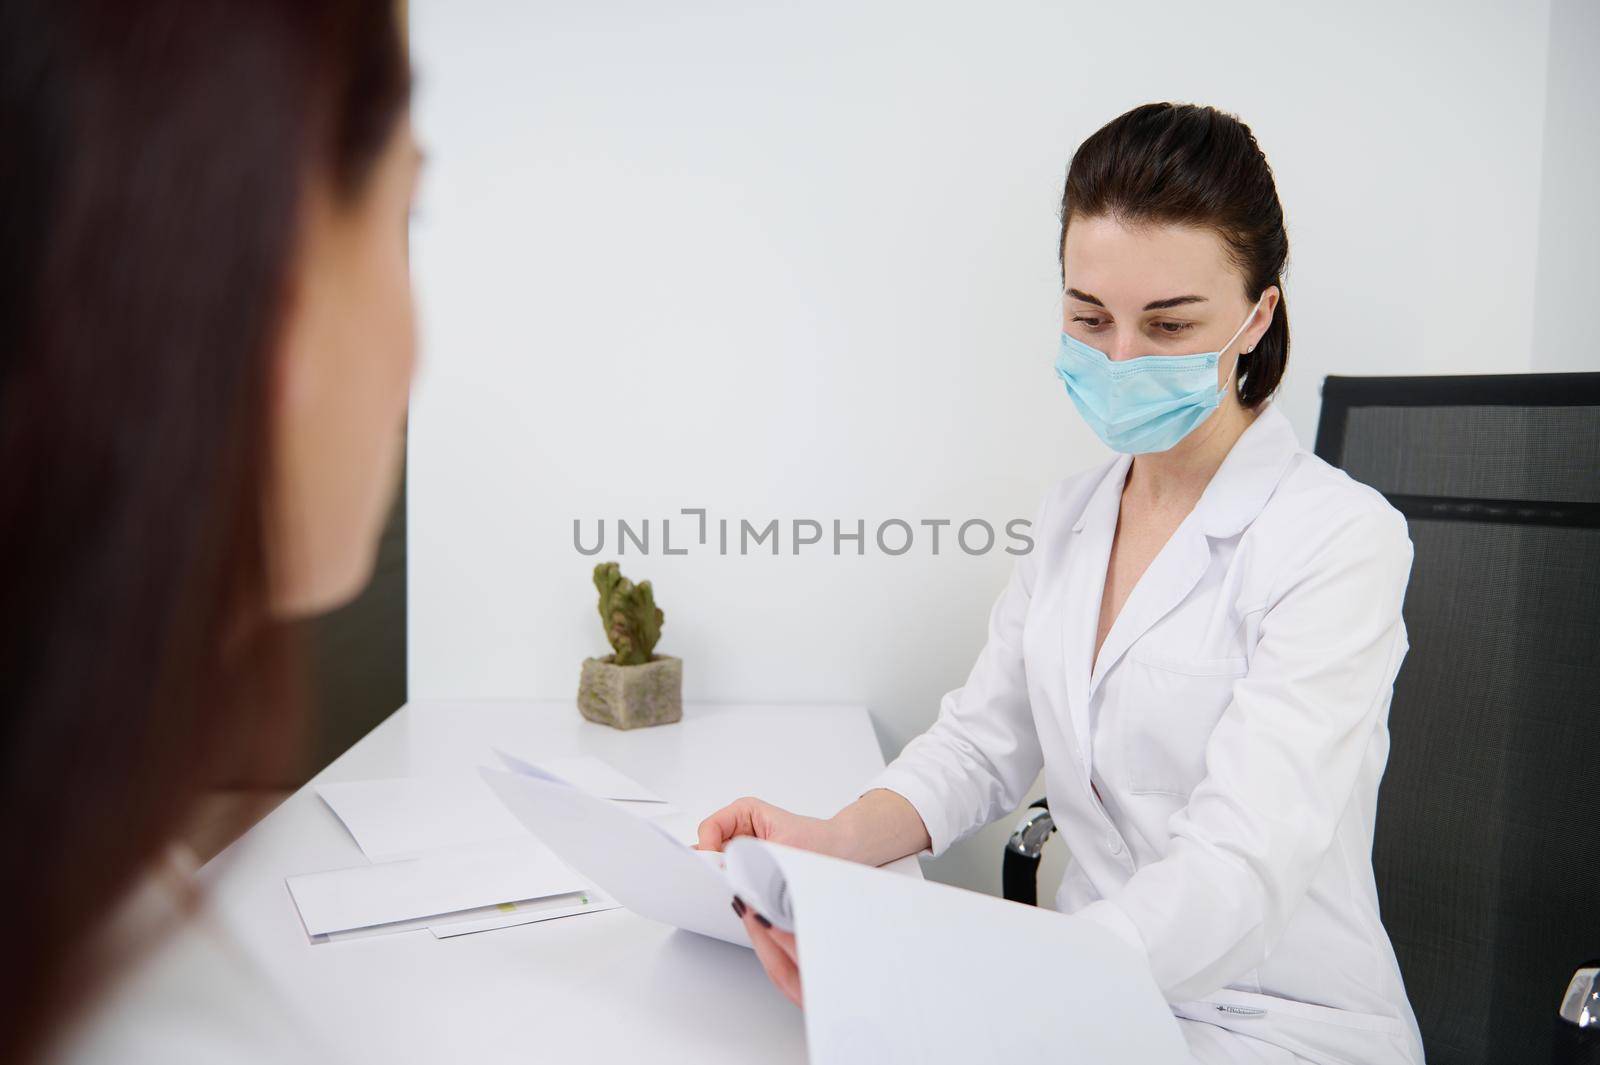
(1181, 164)
(154, 159)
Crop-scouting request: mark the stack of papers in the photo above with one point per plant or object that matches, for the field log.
(896, 968)
(445, 854)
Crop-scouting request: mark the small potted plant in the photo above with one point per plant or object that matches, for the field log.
(631, 687)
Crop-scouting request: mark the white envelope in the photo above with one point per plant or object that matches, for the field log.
(448, 882)
(508, 915)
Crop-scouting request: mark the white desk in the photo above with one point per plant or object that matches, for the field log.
(605, 987)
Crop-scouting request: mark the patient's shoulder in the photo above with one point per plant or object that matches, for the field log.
(180, 991)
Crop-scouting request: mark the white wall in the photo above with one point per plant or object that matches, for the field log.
(797, 261)
(1564, 337)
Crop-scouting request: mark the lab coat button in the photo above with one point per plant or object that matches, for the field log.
(1114, 842)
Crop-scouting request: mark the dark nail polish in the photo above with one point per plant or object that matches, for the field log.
(764, 922)
(738, 906)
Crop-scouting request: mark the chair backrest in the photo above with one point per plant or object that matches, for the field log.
(1487, 852)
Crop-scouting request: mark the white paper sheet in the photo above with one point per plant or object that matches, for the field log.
(409, 817)
(586, 773)
(406, 817)
(674, 822)
(443, 883)
(896, 969)
(635, 861)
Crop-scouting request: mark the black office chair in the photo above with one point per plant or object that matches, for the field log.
(1487, 849)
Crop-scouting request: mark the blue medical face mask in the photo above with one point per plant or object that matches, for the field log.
(1145, 404)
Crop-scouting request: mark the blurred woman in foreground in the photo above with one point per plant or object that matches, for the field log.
(205, 353)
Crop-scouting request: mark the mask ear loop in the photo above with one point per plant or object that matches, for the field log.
(1233, 380)
(1254, 307)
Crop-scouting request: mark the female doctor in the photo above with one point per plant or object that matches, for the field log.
(1201, 648)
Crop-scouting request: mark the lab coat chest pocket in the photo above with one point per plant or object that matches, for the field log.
(1169, 707)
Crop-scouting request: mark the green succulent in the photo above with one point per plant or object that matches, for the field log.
(629, 613)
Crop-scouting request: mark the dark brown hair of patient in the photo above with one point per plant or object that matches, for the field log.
(153, 162)
(1181, 164)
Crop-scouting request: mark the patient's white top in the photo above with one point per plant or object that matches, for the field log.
(184, 991)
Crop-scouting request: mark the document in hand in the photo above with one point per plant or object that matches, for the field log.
(894, 969)
(634, 861)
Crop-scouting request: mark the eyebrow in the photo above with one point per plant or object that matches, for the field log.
(1153, 305)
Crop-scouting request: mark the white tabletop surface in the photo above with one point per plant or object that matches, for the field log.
(603, 987)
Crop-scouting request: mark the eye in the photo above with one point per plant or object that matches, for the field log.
(1089, 320)
(1172, 329)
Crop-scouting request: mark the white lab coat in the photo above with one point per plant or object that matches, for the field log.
(1236, 727)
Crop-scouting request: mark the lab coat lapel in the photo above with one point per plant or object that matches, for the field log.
(1235, 495)
(1084, 585)
(1171, 576)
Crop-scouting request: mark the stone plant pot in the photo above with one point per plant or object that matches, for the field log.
(631, 696)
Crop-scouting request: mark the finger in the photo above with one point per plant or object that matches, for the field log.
(786, 943)
(732, 820)
(781, 939)
(717, 829)
(781, 968)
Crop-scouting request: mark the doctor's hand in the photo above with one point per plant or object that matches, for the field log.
(775, 948)
(752, 817)
(878, 827)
